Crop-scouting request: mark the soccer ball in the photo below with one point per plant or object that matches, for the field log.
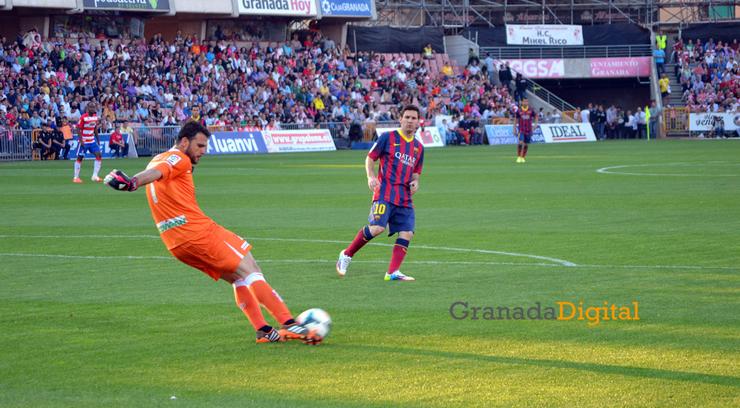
(317, 320)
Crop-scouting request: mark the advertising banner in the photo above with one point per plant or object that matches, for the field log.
(305, 140)
(567, 132)
(504, 134)
(305, 8)
(705, 122)
(128, 5)
(430, 137)
(346, 8)
(105, 151)
(620, 67)
(236, 143)
(544, 35)
(537, 68)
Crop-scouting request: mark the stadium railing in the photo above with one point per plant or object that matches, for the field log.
(15, 144)
(154, 140)
(676, 121)
(541, 92)
(587, 51)
(151, 140)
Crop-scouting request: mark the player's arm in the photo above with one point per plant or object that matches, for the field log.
(118, 180)
(372, 177)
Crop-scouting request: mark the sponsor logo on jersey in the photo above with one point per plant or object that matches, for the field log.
(173, 159)
(406, 159)
(170, 223)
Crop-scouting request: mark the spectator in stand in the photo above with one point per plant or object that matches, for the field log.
(631, 125)
(504, 76)
(655, 112)
(600, 122)
(428, 52)
(43, 143)
(586, 114)
(659, 57)
(521, 87)
(612, 117)
(447, 69)
(67, 134)
(58, 144)
(664, 84)
(117, 144)
(641, 120)
(491, 71)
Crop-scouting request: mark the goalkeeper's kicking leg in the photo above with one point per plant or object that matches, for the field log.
(250, 290)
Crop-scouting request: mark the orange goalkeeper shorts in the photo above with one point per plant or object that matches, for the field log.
(216, 252)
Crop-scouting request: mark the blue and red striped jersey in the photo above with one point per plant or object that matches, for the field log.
(525, 118)
(399, 160)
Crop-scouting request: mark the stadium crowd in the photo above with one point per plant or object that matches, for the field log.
(708, 73)
(254, 85)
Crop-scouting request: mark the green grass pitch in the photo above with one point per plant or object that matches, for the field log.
(94, 312)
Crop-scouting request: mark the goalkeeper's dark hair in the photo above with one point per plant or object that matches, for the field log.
(192, 128)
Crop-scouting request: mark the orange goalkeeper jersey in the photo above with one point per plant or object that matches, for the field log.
(172, 200)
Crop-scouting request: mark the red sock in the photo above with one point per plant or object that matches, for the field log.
(518, 150)
(362, 238)
(524, 150)
(249, 305)
(399, 252)
(271, 300)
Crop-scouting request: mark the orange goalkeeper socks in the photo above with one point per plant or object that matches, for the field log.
(271, 300)
(249, 305)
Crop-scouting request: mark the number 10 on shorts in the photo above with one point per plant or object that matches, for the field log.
(379, 208)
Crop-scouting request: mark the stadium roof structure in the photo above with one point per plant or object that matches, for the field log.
(463, 13)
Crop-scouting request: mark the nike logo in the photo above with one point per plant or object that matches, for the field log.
(395, 144)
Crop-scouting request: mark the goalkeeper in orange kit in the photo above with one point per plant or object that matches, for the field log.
(198, 241)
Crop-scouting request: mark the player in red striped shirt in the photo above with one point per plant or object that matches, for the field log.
(524, 125)
(401, 158)
(88, 142)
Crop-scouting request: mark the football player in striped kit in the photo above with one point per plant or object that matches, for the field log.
(401, 158)
(88, 142)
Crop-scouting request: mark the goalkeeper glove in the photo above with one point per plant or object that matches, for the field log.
(118, 180)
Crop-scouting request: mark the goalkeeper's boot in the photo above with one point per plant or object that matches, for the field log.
(343, 263)
(77, 180)
(273, 336)
(96, 179)
(398, 276)
(297, 332)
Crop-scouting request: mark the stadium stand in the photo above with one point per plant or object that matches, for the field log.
(236, 85)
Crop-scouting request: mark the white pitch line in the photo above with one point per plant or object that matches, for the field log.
(327, 261)
(561, 262)
(480, 251)
(607, 170)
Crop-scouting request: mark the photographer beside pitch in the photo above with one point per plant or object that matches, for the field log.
(401, 158)
(196, 240)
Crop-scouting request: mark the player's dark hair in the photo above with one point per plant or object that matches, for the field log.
(411, 108)
(190, 129)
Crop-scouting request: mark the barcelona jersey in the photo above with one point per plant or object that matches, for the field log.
(524, 121)
(400, 158)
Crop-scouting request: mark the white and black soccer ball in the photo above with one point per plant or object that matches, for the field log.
(317, 320)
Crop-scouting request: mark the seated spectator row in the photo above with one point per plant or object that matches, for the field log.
(708, 74)
(222, 83)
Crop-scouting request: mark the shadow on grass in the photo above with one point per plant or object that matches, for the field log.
(640, 372)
